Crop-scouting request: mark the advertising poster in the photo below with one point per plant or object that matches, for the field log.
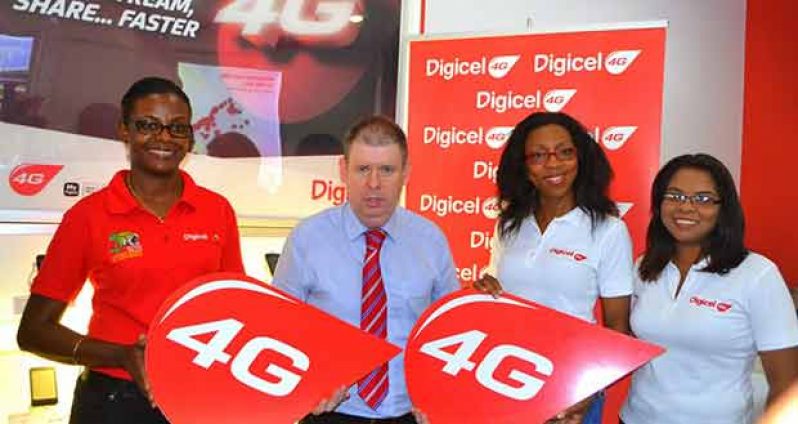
(466, 94)
(274, 85)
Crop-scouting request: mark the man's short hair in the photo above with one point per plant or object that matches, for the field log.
(376, 131)
(148, 86)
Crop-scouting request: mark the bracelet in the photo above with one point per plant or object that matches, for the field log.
(75, 349)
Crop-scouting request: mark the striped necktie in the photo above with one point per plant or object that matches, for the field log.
(374, 318)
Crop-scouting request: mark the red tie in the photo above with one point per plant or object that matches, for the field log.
(374, 318)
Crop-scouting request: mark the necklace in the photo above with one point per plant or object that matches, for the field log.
(143, 203)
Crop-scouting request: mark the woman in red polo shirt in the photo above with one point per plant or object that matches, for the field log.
(149, 231)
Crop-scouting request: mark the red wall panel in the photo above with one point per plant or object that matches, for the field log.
(769, 169)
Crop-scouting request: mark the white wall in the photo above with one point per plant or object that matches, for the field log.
(704, 59)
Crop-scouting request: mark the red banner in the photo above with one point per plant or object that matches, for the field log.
(465, 95)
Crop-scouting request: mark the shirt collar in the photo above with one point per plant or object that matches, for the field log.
(575, 216)
(701, 264)
(354, 228)
(121, 201)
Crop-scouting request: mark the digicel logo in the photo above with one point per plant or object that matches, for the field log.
(30, 179)
(710, 303)
(615, 63)
(498, 67)
(446, 137)
(443, 206)
(329, 191)
(553, 101)
(613, 138)
(568, 253)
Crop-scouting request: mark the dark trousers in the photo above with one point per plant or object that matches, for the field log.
(337, 418)
(101, 399)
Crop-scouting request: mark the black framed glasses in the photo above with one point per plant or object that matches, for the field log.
(153, 127)
(565, 153)
(700, 199)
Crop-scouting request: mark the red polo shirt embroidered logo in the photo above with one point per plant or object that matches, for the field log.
(198, 236)
(568, 253)
(708, 303)
(125, 245)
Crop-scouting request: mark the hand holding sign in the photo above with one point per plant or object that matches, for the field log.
(509, 360)
(228, 348)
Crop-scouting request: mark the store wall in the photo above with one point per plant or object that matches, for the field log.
(769, 196)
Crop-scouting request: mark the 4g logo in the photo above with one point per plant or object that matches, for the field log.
(555, 100)
(214, 351)
(314, 19)
(617, 61)
(500, 66)
(30, 179)
(526, 387)
(615, 137)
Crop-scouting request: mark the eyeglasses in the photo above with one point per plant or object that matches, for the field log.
(152, 127)
(561, 153)
(699, 199)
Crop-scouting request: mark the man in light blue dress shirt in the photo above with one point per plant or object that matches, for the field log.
(323, 258)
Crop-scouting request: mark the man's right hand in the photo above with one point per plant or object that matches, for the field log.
(488, 284)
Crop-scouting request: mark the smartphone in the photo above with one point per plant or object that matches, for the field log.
(43, 387)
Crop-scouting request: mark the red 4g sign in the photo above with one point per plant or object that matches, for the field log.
(315, 21)
(30, 179)
(510, 360)
(228, 348)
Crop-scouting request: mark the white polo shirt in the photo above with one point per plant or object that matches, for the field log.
(568, 266)
(712, 332)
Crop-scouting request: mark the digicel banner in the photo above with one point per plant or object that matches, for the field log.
(466, 94)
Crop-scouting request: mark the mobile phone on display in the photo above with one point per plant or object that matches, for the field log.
(43, 386)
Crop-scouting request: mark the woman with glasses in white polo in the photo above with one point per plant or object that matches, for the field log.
(559, 241)
(713, 304)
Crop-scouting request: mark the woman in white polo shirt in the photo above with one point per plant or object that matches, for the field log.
(559, 239)
(709, 301)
